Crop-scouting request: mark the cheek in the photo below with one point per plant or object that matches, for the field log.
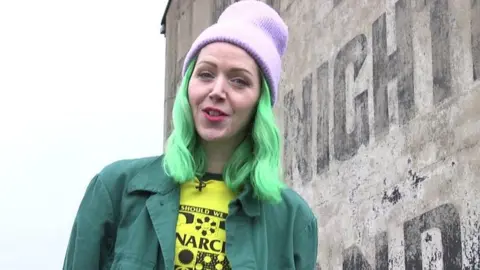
(248, 103)
(246, 113)
(196, 93)
(193, 98)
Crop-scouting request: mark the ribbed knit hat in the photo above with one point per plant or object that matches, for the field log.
(255, 27)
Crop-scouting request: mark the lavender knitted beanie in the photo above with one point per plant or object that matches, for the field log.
(255, 27)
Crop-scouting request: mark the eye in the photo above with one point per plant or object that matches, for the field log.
(240, 82)
(205, 75)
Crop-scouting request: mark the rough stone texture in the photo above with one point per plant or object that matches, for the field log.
(170, 65)
(380, 110)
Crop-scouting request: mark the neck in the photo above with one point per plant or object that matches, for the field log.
(217, 154)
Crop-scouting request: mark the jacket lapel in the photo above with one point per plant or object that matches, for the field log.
(162, 205)
(163, 211)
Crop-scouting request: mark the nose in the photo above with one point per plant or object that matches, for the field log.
(218, 90)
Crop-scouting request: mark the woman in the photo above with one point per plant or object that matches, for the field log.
(215, 199)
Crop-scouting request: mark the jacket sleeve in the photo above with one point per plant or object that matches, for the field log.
(306, 246)
(90, 239)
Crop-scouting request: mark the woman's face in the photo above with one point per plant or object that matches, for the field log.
(223, 92)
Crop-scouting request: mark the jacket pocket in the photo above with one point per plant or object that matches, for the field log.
(124, 261)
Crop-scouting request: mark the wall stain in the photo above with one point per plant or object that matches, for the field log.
(336, 3)
(416, 179)
(393, 197)
(428, 238)
(353, 191)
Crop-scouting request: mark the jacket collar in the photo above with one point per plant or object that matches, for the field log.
(152, 178)
(250, 204)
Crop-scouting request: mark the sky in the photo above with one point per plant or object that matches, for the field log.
(81, 86)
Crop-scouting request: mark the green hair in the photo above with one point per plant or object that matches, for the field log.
(256, 160)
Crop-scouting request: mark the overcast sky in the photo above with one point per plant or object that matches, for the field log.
(81, 85)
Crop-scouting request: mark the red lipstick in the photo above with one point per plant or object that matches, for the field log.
(214, 114)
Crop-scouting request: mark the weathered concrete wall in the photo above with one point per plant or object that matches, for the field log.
(380, 109)
(381, 115)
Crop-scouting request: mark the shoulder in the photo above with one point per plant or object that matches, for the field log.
(298, 203)
(118, 174)
(126, 168)
(294, 206)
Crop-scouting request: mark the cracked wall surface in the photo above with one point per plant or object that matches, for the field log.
(380, 112)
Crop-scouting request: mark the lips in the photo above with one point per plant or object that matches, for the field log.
(214, 114)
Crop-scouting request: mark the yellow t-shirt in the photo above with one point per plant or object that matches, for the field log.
(201, 236)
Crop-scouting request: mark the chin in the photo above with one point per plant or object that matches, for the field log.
(212, 136)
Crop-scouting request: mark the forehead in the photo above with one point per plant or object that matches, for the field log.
(226, 53)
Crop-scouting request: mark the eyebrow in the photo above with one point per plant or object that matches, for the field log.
(235, 69)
